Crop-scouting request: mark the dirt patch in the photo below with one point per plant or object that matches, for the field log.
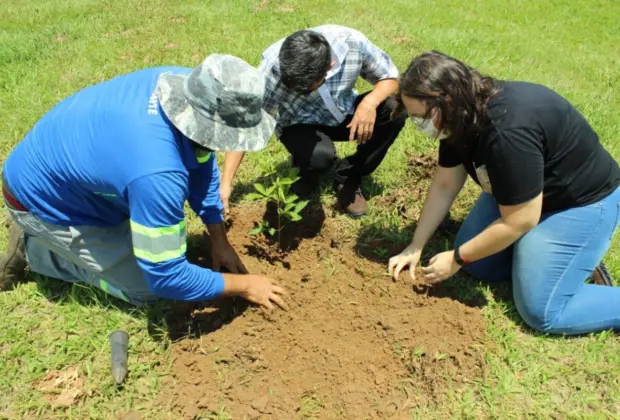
(409, 198)
(125, 34)
(62, 388)
(401, 40)
(354, 344)
(261, 5)
(421, 167)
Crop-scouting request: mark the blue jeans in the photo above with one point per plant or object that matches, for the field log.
(550, 264)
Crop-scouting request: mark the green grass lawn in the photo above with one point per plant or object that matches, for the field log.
(51, 49)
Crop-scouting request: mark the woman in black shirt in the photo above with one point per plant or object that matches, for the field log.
(550, 202)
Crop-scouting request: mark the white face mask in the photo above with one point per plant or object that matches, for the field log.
(427, 126)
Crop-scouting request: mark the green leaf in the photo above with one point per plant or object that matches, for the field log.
(255, 231)
(272, 231)
(301, 205)
(254, 196)
(287, 181)
(293, 173)
(271, 189)
(294, 217)
(292, 198)
(260, 189)
(289, 206)
(281, 195)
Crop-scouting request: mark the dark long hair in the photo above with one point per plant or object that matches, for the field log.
(463, 92)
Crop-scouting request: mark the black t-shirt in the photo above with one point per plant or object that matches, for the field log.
(536, 141)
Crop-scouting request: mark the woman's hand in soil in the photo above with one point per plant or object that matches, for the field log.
(223, 255)
(442, 266)
(409, 257)
(264, 292)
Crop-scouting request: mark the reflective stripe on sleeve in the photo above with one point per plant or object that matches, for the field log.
(159, 244)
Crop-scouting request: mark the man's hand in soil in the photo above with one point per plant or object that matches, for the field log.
(441, 267)
(225, 257)
(257, 289)
(222, 253)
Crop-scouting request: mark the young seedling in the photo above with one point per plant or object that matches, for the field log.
(382, 252)
(288, 205)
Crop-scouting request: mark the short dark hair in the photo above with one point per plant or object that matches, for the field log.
(463, 92)
(305, 58)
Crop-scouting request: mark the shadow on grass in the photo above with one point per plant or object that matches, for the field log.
(378, 244)
(178, 320)
(166, 319)
(370, 186)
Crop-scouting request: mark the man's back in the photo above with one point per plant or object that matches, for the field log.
(74, 166)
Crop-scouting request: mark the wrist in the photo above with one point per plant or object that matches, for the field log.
(413, 250)
(460, 260)
(370, 102)
(235, 284)
(217, 234)
(226, 181)
(416, 245)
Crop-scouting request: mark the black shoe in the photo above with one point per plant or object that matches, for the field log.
(13, 261)
(601, 276)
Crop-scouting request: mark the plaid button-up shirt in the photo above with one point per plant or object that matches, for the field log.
(355, 56)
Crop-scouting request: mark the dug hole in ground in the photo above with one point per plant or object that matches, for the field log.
(353, 345)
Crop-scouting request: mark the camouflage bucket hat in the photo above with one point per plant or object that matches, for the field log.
(218, 105)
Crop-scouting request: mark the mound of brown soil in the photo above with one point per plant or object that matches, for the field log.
(354, 344)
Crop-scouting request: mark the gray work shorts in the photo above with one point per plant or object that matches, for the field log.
(99, 256)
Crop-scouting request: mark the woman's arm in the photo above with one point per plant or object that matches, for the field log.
(515, 165)
(515, 221)
(446, 185)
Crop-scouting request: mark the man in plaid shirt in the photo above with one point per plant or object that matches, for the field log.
(310, 79)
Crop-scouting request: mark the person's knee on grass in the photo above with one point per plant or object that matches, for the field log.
(536, 316)
(13, 260)
(126, 183)
(536, 166)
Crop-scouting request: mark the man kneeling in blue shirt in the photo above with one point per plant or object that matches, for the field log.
(96, 189)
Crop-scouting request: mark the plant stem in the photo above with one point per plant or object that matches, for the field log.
(279, 229)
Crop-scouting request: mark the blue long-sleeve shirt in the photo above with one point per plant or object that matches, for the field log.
(108, 154)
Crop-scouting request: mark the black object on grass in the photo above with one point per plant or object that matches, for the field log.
(604, 275)
(119, 341)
